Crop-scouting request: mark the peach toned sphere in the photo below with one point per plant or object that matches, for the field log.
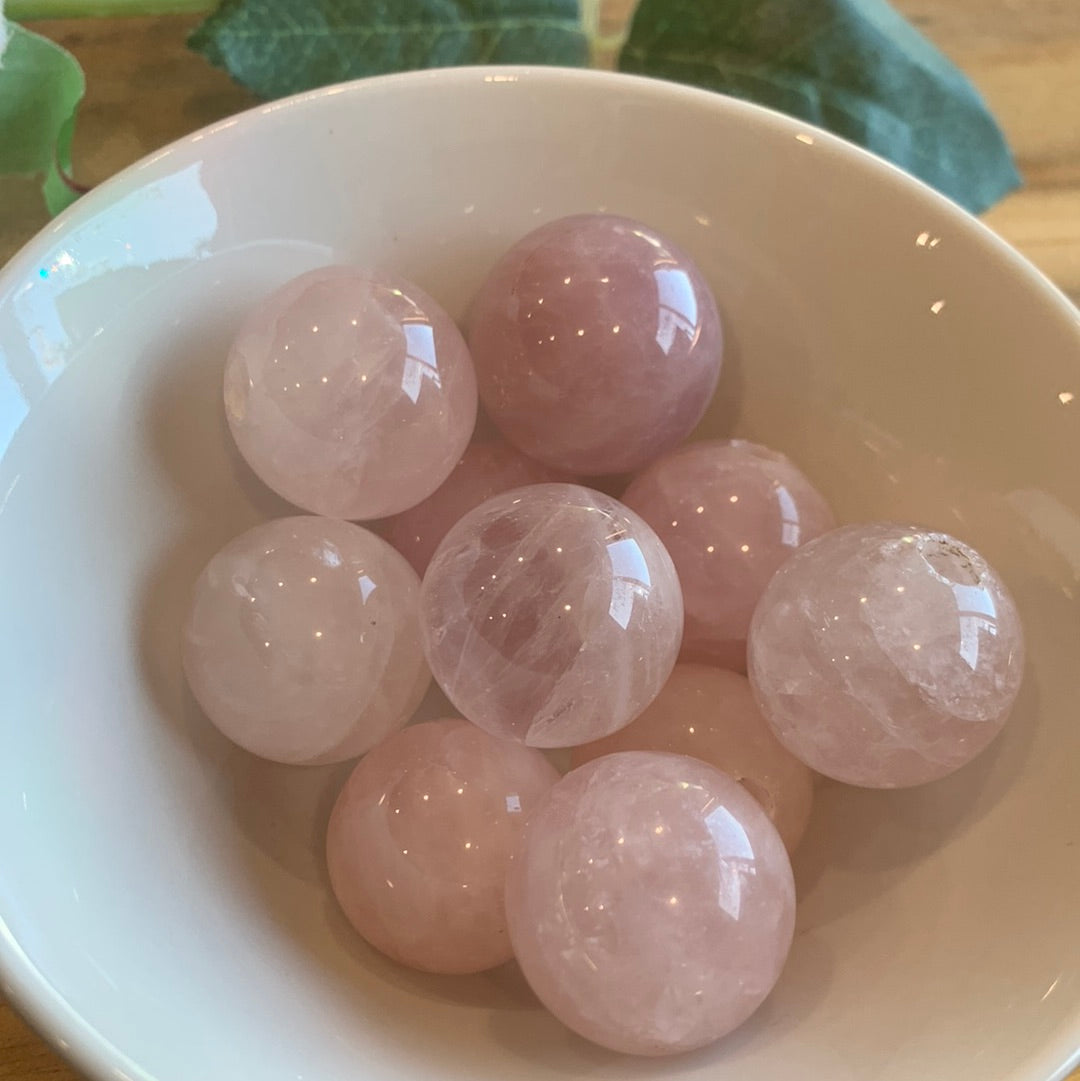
(597, 344)
(551, 615)
(485, 469)
(350, 393)
(303, 642)
(729, 512)
(709, 713)
(885, 655)
(651, 903)
(420, 840)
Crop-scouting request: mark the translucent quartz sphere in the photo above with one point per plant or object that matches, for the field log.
(650, 902)
(597, 344)
(420, 839)
(551, 615)
(885, 656)
(710, 713)
(485, 469)
(729, 512)
(350, 393)
(303, 642)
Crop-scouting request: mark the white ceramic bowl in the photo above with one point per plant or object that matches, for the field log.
(164, 912)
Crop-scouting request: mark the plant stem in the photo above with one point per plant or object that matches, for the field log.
(28, 10)
(606, 24)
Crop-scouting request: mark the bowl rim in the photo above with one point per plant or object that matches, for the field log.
(25, 987)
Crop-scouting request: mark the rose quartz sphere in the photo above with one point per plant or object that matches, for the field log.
(709, 713)
(420, 838)
(885, 655)
(350, 393)
(650, 902)
(729, 512)
(597, 344)
(485, 469)
(303, 643)
(551, 615)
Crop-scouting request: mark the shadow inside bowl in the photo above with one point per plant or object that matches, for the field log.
(880, 835)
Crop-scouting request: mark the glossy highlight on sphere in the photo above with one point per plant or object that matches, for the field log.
(302, 642)
(651, 903)
(886, 656)
(729, 512)
(420, 840)
(597, 344)
(709, 713)
(485, 469)
(551, 615)
(350, 393)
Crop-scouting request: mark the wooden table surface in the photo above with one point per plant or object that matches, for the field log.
(145, 89)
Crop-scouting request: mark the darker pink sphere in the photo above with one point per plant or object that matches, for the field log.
(485, 469)
(350, 393)
(420, 840)
(729, 512)
(651, 903)
(710, 713)
(597, 344)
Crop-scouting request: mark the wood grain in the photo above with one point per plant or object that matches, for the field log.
(145, 89)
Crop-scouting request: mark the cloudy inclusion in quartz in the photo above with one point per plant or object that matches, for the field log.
(551, 614)
(350, 393)
(597, 344)
(651, 903)
(302, 642)
(420, 840)
(885, 655)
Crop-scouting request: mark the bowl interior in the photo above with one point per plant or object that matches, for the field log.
(164, 911)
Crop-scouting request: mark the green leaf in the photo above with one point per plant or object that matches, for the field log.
(277, 47)
(28, 10)
(854, 67)
(41, 86)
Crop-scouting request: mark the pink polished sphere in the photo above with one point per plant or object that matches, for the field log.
(420, 839)
(551, 615)
(886, 656)
(729, 512)
(709, 713)
(303, 643)
(350, 393)
(651, 903)
(597, 344)
(485, 469)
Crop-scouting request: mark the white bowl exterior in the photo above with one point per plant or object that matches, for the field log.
(164, 911)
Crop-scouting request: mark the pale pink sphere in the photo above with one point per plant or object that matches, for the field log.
(597, 344)
(651, 903)
(551, 615)
(710, 713)
(485, 469)
(729, 512)
(420, 840)
(884, 655)
(350, 393)
(303, 641)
